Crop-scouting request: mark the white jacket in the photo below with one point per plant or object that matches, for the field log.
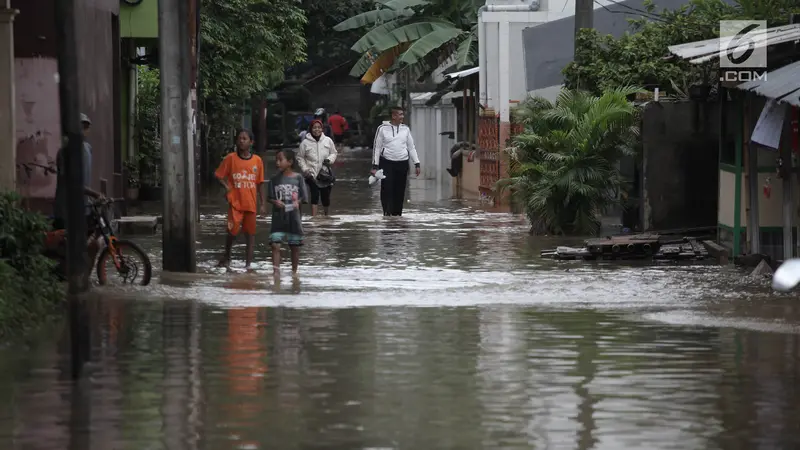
(312, 153)
(394, 143)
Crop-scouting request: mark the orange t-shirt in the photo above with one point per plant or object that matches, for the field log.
(244, 177)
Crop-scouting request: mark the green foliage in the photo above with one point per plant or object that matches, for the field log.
(641, 58)
(148, 126)
(564, 165)
(437, 31)
(133, 174)
(326, 47)
(28, 286)
(247, 45)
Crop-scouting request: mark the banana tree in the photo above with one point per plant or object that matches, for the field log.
(431, 31)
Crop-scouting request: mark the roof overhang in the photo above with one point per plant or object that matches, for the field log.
(703, 51)
(463, 73)
(782, 84)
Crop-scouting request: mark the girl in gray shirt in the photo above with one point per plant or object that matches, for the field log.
(286, 191)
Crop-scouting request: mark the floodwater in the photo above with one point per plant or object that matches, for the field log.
(438, 330)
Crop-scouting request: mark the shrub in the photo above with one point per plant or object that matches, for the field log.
(29, 288)
(564, 166)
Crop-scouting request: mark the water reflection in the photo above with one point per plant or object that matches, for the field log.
(440, 329)
(503, 377)
(246, 360)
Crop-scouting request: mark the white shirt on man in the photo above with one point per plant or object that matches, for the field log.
(394, 143)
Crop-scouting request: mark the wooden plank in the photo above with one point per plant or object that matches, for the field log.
(717, 251)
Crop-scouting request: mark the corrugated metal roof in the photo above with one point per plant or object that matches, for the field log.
(702, 51)
(463, 73)
(782, 84)
(422, 97)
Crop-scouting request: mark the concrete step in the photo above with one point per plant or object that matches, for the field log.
(138, 225)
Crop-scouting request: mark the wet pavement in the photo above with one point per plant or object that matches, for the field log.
(438, 330)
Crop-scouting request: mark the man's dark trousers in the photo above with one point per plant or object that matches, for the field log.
(393, 187)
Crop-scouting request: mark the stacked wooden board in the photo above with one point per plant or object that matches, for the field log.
(638, 246)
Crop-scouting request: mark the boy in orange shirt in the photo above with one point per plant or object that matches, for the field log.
(242, 174)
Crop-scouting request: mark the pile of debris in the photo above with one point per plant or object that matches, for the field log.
(638, 246)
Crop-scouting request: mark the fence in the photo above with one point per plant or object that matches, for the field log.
(492, 167)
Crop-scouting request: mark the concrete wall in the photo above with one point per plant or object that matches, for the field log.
(516, 70)
(471, 178)
(680, 159)
(770, 210)
(38, 117)
(434, 150)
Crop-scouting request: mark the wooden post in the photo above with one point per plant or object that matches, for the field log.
(737, 195)
(751, 161)
(788, 201)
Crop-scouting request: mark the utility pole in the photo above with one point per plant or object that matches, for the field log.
(72, 153)
(194, 37)
(584, 18)
(72, 143)
(177, 135)
(8, 143)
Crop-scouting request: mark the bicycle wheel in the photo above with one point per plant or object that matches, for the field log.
(131, 264)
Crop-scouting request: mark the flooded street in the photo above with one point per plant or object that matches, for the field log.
(442, 329)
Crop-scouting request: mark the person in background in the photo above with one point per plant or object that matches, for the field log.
(302, 124)
(393, 149)
(286, 192)
(338, 126)
(60, 204)
(322, 115)
(242, 174)
(316, 155)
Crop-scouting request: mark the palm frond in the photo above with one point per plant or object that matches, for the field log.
(564, 170)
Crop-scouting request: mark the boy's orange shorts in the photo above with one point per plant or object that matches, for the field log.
(244, 220)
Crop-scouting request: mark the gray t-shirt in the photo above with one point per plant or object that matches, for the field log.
(283, 188)
(60, 205)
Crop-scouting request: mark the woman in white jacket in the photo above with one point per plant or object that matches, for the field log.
(316, 155)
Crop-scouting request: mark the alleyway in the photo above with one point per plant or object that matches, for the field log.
(438, 330)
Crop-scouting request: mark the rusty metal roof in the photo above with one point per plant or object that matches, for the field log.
(782, 85)
(702, 51)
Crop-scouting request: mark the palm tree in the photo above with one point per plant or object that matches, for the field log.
(564, 165)
(431, 31)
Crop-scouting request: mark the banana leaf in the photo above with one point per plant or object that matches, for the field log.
(467, 53)
(363, 64)
(371, 18)
(428, 43)
(414, 31)
(375, 35)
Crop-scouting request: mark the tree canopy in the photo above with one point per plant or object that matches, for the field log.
(640, 57)
(325, 46)
(247, 45)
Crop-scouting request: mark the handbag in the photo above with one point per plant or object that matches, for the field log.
(325, 177)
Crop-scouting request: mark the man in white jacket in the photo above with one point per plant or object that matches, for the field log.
(393, 149)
